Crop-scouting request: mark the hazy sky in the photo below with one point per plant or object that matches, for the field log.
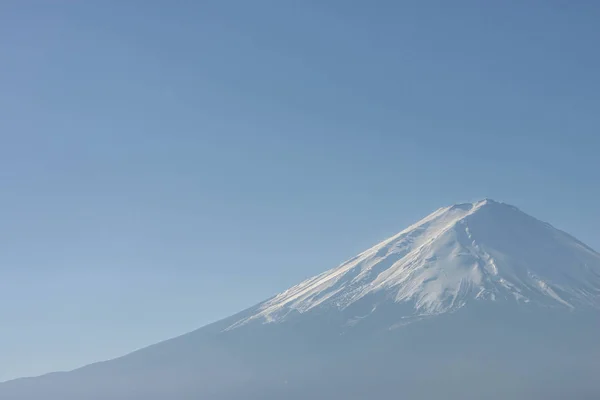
(164, 164)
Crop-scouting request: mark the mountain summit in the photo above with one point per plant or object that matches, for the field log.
(473, 251)
(477, 300)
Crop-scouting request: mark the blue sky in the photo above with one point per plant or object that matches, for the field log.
(166, 164)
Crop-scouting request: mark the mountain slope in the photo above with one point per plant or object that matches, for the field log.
(477, 300)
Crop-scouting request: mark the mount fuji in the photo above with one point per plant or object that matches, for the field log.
(477, 300)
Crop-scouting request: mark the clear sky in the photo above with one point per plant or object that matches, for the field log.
(164, 164)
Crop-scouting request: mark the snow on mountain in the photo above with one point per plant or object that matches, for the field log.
(486, 251)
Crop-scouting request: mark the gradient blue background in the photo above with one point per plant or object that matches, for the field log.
(166, 164)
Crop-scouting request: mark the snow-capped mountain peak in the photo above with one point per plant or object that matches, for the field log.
(481, 251)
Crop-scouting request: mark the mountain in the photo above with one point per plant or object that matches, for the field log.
(477, 300)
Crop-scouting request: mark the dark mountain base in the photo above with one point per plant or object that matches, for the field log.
(491, 353)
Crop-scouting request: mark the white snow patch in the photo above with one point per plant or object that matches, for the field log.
(485, 250)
